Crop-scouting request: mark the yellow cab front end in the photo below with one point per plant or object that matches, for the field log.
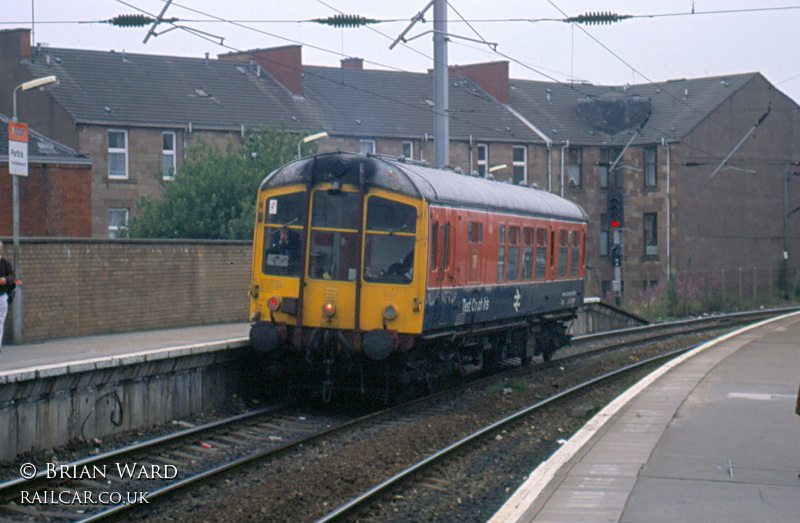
(338, 274)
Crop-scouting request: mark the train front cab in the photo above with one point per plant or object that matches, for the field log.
(346, 289)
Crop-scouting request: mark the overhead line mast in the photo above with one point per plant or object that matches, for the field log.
(441, 96)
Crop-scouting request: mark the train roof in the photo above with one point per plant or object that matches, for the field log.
(437, 186)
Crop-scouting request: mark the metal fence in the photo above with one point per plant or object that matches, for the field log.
(689, 293)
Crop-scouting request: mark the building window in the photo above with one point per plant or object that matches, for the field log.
(483, 160)
(520, 164)
(574, 168)
(169, 165)
(650, 166)
(604, 237)
(610, 179)
(117, 221)
(650, 234)
(408, 150)
(118, 154)
(366, 146)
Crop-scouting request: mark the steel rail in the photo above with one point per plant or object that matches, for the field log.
(7, 486)
(378, 489)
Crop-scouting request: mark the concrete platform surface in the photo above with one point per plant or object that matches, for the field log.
(711, 436)
(70, 351)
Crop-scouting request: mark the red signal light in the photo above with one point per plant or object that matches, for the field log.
(614, 224)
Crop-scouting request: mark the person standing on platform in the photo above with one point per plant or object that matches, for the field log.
(7, 284)
(797, 410)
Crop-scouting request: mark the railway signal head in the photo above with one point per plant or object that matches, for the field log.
(616, 256)
(616, 212)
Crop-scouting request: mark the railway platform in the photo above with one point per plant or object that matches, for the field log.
(711, 436)
(105, 348)
(85, 388)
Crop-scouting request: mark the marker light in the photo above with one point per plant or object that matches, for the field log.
(390, 312)
(273, 303)
(328, 309)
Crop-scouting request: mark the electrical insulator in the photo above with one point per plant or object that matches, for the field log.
(601, 18)
(131, 20)
(342, 20)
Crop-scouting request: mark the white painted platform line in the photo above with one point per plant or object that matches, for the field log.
(525, 496)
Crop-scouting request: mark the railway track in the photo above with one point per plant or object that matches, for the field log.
(103, 485)
(417, 476)
(274, 437)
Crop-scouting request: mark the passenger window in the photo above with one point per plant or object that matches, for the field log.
(562, 254)
(574, 259)
(446, 246)
(512, 266)
(541, 254)
(434, 261)
(475, 232)
(501, 257)
(527, 263)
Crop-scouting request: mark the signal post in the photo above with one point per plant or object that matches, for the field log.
(616, 220)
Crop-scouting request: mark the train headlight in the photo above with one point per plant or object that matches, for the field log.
(390, 312)
(328, 309)
(274, 303)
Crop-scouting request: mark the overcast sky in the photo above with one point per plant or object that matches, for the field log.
(672, 44)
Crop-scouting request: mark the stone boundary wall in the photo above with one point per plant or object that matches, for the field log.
(80, 287)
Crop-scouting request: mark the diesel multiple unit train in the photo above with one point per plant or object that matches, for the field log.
(381, 276)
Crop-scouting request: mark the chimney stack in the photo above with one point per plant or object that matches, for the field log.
(353, 63)
(16, 44)
(492, 77)
(285, 64)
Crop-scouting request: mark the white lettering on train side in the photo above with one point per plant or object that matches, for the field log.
(475, 305)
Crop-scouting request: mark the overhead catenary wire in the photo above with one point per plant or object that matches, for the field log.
(311, 73)
(471, 20)
(510, 58)
(462, 19)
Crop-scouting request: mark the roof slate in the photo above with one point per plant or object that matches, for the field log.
(41, 149)
(375, 103)
(677, 107)
(112, 88)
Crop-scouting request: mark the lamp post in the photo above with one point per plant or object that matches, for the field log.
(495, 168)
(310, 138)
(17, 305)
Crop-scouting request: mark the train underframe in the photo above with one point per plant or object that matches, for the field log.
(327, 362)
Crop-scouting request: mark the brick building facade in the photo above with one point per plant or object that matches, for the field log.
(55, 199)
(664, 140)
